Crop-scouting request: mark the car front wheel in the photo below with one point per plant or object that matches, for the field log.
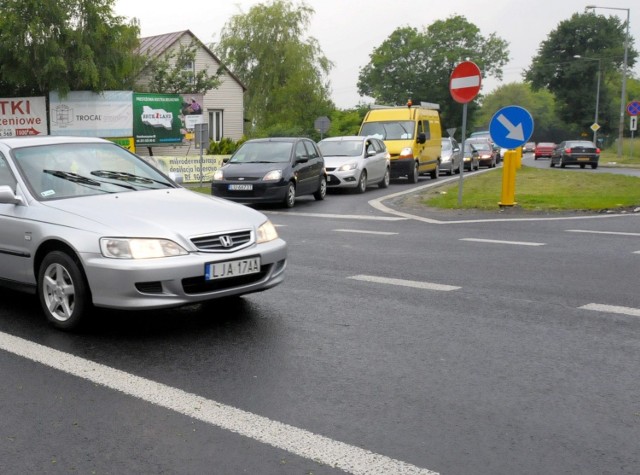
(362, 182)
(322, 189)
(63, 291)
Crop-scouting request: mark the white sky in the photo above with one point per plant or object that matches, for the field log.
(348, 31)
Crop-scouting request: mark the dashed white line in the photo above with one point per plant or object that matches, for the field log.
(615, 233)
(297, 441)
(634, 312)
(382, 233)
(405, 283)
(515, 243)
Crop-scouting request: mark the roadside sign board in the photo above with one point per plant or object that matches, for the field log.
(465, 82)
(633, 123)
(511, 127)
(633, 108)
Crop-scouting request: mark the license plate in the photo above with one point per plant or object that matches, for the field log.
(227, 269)
(241, 187)
(583, 159)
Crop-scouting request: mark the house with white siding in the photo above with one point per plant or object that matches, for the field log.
(223, 107)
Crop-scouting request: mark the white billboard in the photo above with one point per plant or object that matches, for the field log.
(23, 116)
(89, 114)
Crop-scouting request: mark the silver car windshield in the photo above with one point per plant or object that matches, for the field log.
(341, 148)
(58, 171)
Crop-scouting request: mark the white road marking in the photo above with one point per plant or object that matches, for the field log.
(515, 243)
(601, 232)
(383, 233)
(338, 216)
(297, 441)
(634, 312)
(405, 283)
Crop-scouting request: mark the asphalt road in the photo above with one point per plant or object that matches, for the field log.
(402, 341)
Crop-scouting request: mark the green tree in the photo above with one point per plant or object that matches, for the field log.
(65, 45)
(417, 65)
(284, 71)
(540, 104)
(573, 80)
(170, 73)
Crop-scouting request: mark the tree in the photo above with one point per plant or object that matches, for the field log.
(285, 73)
(65, 45)
(170, 73)
(573, 80)
(417, 65)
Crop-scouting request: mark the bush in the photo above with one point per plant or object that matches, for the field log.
(225, 146)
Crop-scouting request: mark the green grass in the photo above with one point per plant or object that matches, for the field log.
(541, 189)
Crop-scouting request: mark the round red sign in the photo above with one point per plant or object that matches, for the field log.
(465, 82)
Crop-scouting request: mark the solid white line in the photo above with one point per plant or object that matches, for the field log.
(601, 232)
(297, 441)
(405, 283)
(634, 312)
(383, 233)
(515, 243)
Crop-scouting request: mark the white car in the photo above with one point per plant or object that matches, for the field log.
(84, 222)
(355, 162)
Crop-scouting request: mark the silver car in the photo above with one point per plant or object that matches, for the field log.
(84, 222)
(451, 156)
(355, 162)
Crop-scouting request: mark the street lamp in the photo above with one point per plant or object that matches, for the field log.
(595, 121)
(623, 95)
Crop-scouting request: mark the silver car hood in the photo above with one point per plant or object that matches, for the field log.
(155, 213)
(333, 162)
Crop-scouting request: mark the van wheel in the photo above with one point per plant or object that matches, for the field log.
(413, 176)
(362, 182)
(384, 183)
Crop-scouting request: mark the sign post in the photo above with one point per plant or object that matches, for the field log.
(464, 86)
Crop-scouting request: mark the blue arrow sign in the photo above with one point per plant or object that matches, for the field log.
(511, 127)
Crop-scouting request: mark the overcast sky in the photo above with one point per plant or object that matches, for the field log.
(348, 31)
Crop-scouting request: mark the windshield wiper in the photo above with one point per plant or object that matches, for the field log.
(74, 177)
(128, 177)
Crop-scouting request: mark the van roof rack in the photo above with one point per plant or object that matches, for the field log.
(424, 105)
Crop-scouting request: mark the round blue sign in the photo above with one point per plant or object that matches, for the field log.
(633, 108)
(511, 127)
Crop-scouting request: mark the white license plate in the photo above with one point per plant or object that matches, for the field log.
(583, 159)
(227, 269)
(241, 187)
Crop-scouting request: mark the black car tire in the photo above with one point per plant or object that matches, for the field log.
(362, 182)
(433, 174)
(384, 183)
(63, 290)
(322, 189)
(290, 195)
(561, 163)
(582, 165)
(594, 166)
(551, 164)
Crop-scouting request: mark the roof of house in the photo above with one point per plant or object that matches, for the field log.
(154, 46)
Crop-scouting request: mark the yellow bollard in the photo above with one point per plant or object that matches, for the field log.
(511, 161)
(519, 159)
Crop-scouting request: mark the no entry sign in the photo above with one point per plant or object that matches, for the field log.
(465, 82)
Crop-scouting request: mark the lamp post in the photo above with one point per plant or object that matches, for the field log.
(623, 95)
(595, 120)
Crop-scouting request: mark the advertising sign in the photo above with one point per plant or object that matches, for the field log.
(157, 119)
(89, 114)
(23, 116)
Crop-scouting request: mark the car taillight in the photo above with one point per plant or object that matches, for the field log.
(597, 150)
(567, 150)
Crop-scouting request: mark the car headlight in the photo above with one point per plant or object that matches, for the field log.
(266, 232)
(406, 152)
(218, 175)
(136, 248)
(273, 175)
(348, 166)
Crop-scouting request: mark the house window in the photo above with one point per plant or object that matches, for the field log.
(189, 71)
(215, 125)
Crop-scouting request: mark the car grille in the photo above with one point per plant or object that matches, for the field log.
(224, 242)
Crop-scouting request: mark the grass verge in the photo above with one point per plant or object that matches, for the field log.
(541, 190)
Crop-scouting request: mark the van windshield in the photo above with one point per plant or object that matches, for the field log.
(391, 130)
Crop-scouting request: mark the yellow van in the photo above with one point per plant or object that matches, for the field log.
(412, 135)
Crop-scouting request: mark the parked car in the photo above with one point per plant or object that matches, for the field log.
(470, 157)
(543, 149)
(451, 156)
(575, 152)
(272, 170)
(529, 147)
(486, 153)
(84, 222)
(355, 162)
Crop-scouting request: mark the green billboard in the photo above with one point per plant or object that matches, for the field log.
(157, 119)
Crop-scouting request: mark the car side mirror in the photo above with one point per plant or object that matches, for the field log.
(225, 159)
(302, 159)
(422, 138)
(7, 196)
(370, 153)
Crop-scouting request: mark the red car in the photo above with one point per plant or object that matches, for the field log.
(544, 149)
